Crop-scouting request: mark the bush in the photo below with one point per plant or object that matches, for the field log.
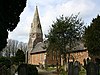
(14, 61)
(5, 61)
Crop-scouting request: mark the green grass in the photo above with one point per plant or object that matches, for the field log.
(82, 72)
(51, 68)
(62, 72)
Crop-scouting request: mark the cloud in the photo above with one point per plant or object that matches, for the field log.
(49, 10)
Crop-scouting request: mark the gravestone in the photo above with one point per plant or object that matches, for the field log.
(9, 71)
(0, 68)
(40, 66)
(70, 68)
(4, 70)
(97, 68)
(22, 69)
(13, 69)
(76, 68)
(84, 63)
(91, 69)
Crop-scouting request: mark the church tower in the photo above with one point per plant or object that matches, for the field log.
(36, 34)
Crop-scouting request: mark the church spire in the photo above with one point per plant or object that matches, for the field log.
(36, 34)
(36, 25)
(36, 13)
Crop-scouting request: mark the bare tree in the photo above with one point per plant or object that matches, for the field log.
(22, 46)
(13, 46)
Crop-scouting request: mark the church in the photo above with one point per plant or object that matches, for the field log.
(38, 55)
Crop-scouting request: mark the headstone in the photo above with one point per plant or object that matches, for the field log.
(97, 69)
(40, 66)
(91, 69)
(4, 70)
(84, 63)
(70, 68)
(9, 71)
(22, 69)
(13, 69)
(0, 68)
(76, 68)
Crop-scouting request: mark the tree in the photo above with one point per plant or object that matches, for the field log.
(92, 37)
(14, 47)
(22, 46)
(65, 34)
(5, 61)
(9, 17)
(20, 56)
(7, 49)
(25, 48)
(11, 48)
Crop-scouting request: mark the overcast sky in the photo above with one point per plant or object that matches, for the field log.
(49, 10)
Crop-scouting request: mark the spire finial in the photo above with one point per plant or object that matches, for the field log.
(36, 12)
(36, 8)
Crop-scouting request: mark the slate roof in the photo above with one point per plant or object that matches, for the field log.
(75, 51)
(38, 48)
(78, 48)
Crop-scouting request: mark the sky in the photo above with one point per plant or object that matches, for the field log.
(49, 10)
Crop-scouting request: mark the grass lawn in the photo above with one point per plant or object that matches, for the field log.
(82, 72)
(51, 68)
(62, 72)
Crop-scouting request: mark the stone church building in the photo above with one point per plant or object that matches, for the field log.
(37, 54)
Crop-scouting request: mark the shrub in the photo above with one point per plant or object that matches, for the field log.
(5, 61)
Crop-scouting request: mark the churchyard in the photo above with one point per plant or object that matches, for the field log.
(74, 68)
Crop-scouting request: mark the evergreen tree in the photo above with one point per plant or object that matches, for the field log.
(92, 36)
(20, 56)
(65, 34)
